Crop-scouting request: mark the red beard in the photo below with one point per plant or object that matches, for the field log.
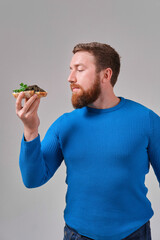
(81, 97)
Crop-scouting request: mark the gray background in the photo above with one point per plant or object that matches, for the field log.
(36, 42)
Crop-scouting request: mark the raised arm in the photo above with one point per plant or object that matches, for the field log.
(38, 160)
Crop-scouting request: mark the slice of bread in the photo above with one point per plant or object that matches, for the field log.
(30, 93)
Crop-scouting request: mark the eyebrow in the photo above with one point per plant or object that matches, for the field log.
(77, 65)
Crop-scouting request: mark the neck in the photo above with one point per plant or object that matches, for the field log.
(108, 101)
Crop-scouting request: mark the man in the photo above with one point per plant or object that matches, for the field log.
(107, 143)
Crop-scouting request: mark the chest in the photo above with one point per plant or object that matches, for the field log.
(100, 144)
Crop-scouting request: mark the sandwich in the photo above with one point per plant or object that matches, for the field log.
(29, 91)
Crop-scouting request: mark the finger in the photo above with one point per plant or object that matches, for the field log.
(29, 102)
(19, 101)
(26, 99)
(34, 106)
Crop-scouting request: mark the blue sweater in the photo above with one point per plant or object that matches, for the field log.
(107, 153)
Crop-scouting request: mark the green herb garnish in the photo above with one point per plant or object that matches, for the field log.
(22, 88)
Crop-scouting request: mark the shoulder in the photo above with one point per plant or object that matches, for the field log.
(65, 120)
(139, 107)
(141, 113)
(67, 116)
(136, 105)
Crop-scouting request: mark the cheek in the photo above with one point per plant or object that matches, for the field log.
(85, 79)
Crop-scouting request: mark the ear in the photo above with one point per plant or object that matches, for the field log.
(108, 74)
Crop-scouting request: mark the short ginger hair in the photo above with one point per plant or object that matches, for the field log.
(105, 57)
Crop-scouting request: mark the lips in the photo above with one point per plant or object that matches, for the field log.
(74, 88)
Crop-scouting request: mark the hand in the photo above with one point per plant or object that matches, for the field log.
(28, 115)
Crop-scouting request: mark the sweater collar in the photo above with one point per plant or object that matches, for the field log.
(99, 110)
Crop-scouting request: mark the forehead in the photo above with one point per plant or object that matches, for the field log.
(82, 57)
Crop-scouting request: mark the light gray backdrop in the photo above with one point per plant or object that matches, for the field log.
(36, 42)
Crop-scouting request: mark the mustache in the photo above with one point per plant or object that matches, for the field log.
(74, 86)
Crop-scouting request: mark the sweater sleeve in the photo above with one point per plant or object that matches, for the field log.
(38, 160)
(154, 143)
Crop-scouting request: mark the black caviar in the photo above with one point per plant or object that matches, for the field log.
(35, 88)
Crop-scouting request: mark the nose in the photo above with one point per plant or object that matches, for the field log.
(72, 77)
